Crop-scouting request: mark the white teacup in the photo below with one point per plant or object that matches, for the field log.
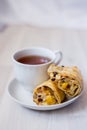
(31, 75)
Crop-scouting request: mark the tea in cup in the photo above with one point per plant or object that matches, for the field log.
(30, 65)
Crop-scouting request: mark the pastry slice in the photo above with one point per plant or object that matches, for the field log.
(68, 79)
(48, 93)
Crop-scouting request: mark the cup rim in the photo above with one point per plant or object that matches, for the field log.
(31, 65)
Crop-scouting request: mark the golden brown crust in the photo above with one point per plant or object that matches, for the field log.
(64, 82)
(69, 79)
(49, 94)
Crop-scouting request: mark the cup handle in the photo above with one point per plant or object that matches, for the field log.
(58, 59)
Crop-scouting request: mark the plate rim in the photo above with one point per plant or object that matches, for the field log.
(38, 107)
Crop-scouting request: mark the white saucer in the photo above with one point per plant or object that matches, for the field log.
(24, 97)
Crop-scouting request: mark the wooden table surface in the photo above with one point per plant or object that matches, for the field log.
(73, 44)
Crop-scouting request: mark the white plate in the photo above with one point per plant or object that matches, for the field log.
(24, 97)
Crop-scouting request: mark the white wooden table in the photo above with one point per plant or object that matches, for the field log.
(73, 44)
